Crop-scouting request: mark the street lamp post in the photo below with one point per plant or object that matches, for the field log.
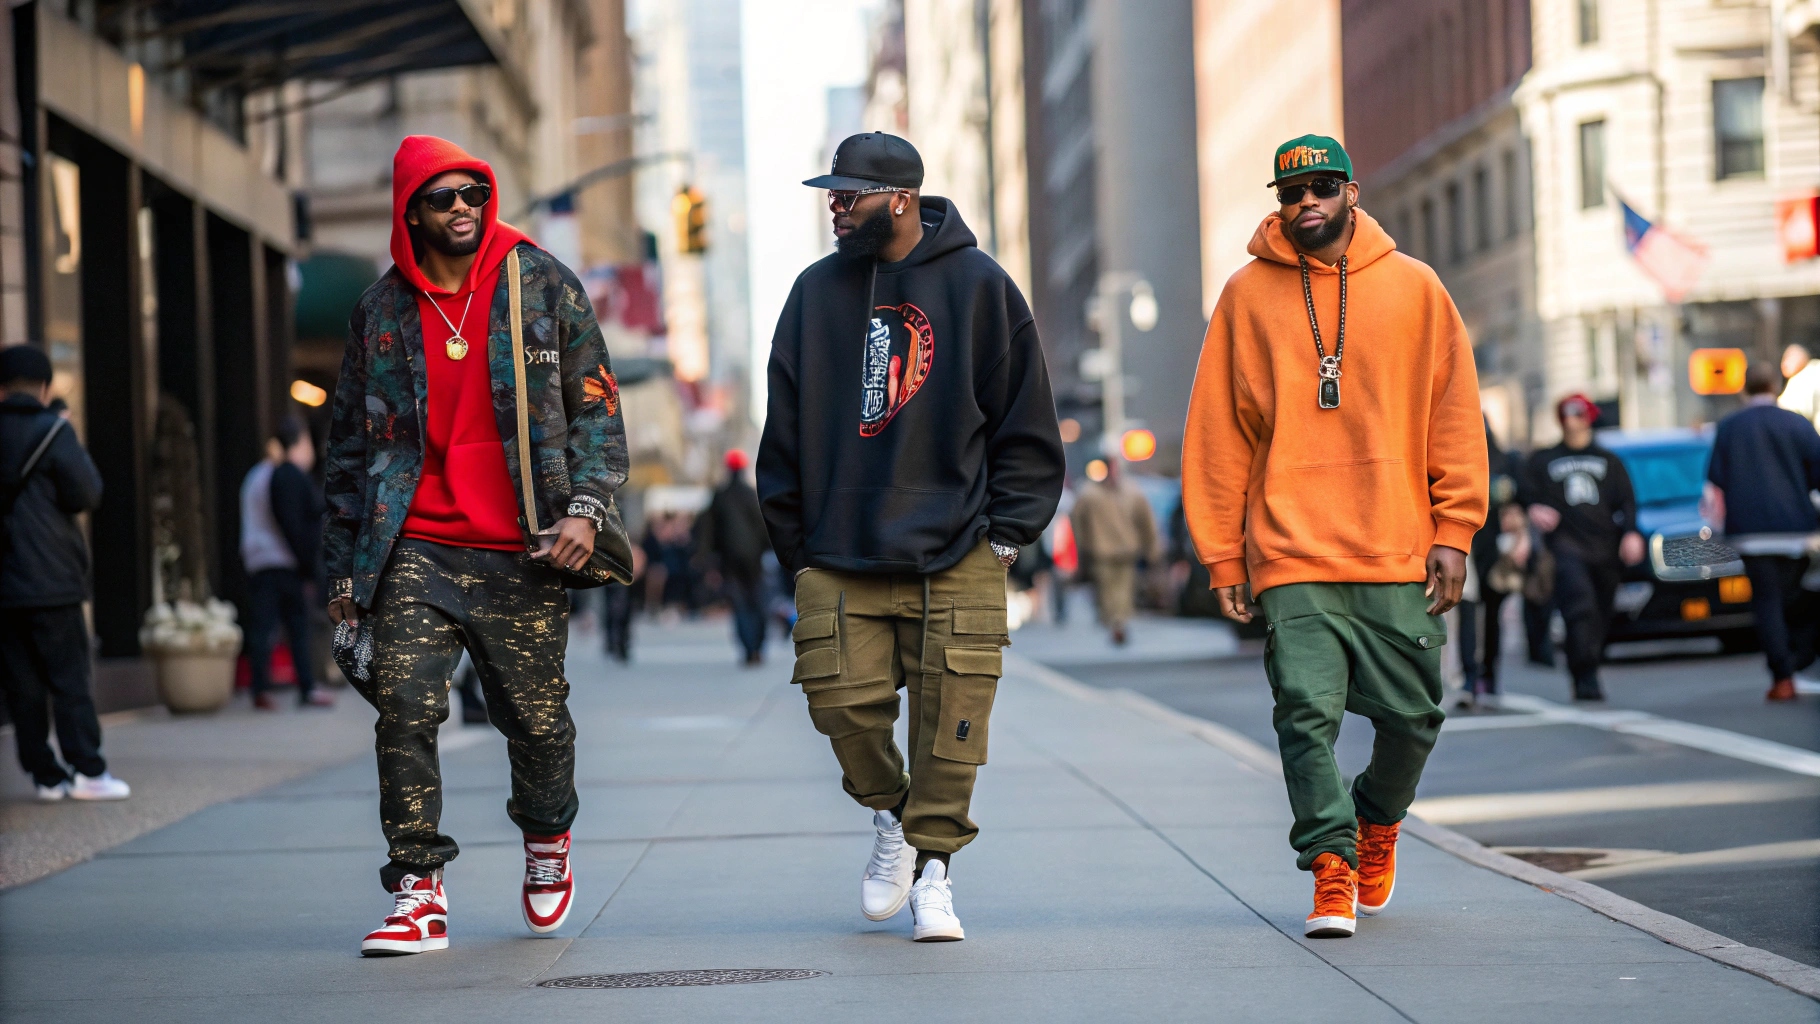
(1143, 313)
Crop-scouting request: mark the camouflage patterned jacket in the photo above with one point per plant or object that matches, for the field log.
(375, 452)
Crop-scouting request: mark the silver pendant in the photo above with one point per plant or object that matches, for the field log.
(1330, 393)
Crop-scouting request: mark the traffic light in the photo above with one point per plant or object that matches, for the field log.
(690, 208)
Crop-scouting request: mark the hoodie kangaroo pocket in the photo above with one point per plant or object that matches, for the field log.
(1361, 507)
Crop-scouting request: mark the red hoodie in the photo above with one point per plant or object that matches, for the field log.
(465, 496)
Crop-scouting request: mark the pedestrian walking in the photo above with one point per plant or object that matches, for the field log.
(46, 480)
(1765, 463)
(437, 483)
(280, 534)
(1346, 502)
(731, 538)
(910, 448)
(1114, 530)
(1802, 392)
(1482, 615)
(1579, 495)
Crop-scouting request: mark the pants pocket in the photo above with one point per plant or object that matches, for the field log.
(968, 688)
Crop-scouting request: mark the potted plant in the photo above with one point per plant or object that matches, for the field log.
(195, 647)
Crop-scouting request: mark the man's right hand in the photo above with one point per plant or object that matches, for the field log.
(1546, 517)
(344, 609)
(1233, 604)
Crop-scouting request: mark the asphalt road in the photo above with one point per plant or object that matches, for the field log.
(1609, 806)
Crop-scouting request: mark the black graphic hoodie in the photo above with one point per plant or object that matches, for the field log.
(910, 414)
(1591, 489)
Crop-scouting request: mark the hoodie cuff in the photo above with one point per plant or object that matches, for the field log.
(1451, 533)
(1228, 573)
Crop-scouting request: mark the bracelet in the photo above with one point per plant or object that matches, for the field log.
(588, 507)
(1007, 553)
(342, 586)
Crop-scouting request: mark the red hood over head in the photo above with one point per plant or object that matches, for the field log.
(420, 158)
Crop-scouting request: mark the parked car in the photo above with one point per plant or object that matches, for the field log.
(1692, 584)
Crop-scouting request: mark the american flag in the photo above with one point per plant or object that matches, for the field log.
(1672, 261)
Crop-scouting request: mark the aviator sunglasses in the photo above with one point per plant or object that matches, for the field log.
(842, 201)
(442, 200)
(1323, 188)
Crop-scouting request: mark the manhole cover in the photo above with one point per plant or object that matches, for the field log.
(678, 979)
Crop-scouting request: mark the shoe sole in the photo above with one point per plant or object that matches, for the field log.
(1330, 927)
(99, 799)
(1371, 911)
(402, 947)
(954, 934)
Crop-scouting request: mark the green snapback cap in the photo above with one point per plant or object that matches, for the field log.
(1310, 153)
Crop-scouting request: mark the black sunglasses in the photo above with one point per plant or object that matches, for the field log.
(841, 201)
(442, 200)
(1323, 188)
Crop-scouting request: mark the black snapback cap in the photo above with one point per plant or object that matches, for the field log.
(870, 160)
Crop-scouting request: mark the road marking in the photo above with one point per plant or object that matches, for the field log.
(1723, 742)
(1487, 807)
(1762, 853)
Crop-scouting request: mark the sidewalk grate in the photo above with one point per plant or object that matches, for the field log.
(678, 979)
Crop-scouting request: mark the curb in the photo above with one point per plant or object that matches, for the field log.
(1790, 974)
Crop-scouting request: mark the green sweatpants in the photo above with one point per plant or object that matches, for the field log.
(1368, 648)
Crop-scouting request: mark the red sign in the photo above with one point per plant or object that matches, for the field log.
(1798, 228)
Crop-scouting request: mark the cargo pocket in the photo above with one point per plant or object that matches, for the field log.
(981, 622)
(968, 688)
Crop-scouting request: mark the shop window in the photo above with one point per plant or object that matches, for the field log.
(1738, 127)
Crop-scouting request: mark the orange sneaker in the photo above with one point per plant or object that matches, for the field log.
(1783, 690)
(1335, 899)
(1377, 865)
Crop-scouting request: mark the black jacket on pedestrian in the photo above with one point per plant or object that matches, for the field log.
(298, 505)
(910, 414)
(1766, 460)
(731, 532)
(1591, 489)
(46, 562)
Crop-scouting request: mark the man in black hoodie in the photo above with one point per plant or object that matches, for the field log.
(910, 449)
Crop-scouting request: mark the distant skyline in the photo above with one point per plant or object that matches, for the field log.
(795, 50)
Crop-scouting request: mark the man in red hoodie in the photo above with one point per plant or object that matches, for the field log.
(431, 541)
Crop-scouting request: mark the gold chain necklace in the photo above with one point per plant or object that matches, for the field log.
(457, 346)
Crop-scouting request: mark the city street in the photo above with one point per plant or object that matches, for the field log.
(1131, 866)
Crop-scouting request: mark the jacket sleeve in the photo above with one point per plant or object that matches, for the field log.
(596, 447)
(1624, 495)
(779, 465)
(344, 469)
(1024, 461)
(77, 480)
(1218, 446)
(1459, 478)
(294, 506)
(1150, 546)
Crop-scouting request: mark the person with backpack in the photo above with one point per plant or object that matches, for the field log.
(46, 480)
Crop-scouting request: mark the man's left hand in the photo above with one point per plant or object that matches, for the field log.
(574, 543)
(1446, 578)
(1630, 549)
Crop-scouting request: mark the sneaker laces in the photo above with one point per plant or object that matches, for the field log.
(926, 892)
(887, 851)
(543, 871)
(1333, 888)
(1376, 844)
(406, 902)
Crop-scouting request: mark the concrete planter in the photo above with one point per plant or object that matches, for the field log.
(195, 682)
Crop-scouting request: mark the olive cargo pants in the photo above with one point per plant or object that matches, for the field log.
(862, 636)
(1368, 648)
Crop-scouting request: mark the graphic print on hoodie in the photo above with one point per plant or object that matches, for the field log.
(900, 348)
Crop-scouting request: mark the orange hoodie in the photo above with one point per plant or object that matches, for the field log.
(1277, 490)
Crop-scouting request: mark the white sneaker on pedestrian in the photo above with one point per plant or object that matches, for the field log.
(886, 884)
(100, 787)
(932, 906)
(52, 794)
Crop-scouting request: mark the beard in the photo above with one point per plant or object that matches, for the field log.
(436, 235)
(1328, 232)
(869, 237)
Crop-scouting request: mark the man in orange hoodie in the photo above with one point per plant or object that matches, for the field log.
(1334, 465)
(432, 543)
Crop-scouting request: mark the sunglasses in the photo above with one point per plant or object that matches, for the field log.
(442, 200)
(1323, 188)
(842, 201)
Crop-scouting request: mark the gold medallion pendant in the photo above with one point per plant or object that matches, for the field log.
(457, 348)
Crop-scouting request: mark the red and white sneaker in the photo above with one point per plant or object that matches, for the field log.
(549, 887)
(419, 921)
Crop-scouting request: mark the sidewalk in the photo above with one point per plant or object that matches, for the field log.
(1127, 869)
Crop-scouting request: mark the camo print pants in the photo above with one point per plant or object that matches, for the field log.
(511, 614)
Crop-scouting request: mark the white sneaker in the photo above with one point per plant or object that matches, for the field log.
(932, 906)
(52, 794)
(101, 787)
(886, 883)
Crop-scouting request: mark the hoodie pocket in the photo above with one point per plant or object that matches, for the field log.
(1359, 507)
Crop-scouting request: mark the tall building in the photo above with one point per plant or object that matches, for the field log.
(1443, 164)
(1109, 95)
(1699, 117)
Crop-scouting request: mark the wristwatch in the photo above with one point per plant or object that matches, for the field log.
(1007, 553)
